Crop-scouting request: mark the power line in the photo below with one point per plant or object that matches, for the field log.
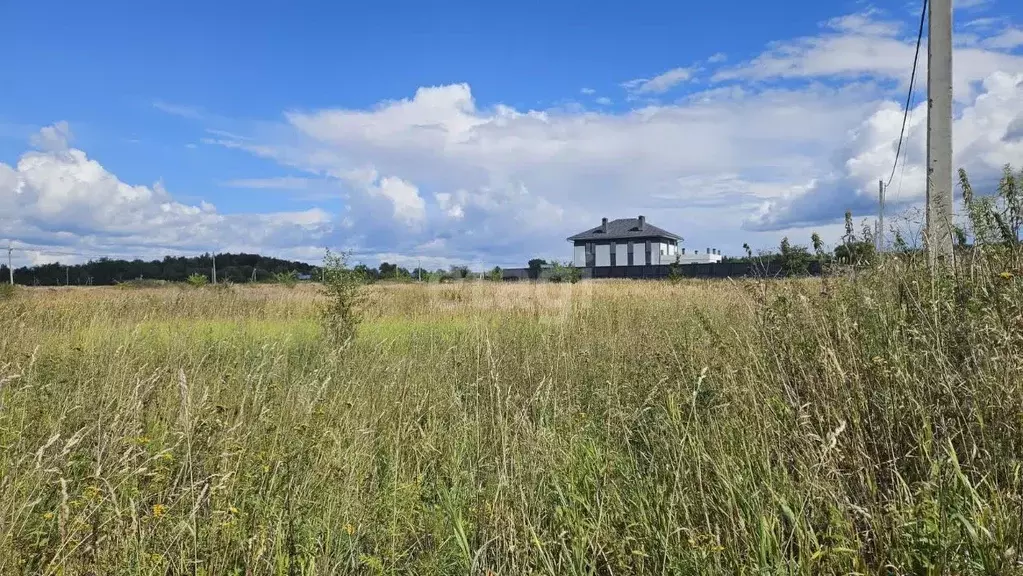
(909, 94)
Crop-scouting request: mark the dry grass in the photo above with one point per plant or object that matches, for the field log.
(596, 428)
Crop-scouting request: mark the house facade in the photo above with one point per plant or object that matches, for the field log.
(631, 242)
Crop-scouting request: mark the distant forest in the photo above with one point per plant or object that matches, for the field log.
(106, 271)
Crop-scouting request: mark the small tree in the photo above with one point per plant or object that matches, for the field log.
(495, 274)
(289, 279)
(342, 310)
(564, 273)
(675, 271)
(197, 280)
(535, 266)
(795, 260)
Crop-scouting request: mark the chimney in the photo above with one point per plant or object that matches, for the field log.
(642, 222)
(603, 225)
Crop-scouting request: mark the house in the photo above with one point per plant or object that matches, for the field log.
(632, 242)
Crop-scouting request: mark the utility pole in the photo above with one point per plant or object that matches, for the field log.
(10, 269)
(879, 240)
(939, 132)
(419, 268)
(214, 267)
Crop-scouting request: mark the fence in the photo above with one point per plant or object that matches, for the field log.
(654, 272)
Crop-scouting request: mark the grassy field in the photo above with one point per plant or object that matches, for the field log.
(870, 425)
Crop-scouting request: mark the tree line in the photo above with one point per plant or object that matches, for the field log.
(108, 271)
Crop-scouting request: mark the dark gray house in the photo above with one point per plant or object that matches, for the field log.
(624, 242)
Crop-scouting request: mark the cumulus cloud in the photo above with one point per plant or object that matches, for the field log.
(780, 144)
(736, 162)
(58, 196)
(863, 46)
(982, 143)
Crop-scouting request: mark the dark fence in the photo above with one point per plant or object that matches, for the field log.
(717, 270)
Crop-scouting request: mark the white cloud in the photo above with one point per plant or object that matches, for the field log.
(409, 207)
(588, 91)
(603, 101)
(717, 58)
(862, 47)
(190, 112)
(983, 142)
(1005, 40)
(778, 144)
(53, 138)
(660, 83)
(58, 196)
(279, 183)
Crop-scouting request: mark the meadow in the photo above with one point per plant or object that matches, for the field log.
(857, 425)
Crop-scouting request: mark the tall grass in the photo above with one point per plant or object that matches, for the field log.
(871, 425)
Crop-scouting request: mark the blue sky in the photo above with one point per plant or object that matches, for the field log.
(468, 132)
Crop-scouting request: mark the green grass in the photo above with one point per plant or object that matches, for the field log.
(596, 428)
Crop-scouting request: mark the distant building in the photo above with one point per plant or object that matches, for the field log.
(632, 242)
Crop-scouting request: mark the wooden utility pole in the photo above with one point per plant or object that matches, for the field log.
(939, 132)
(214, 267)
(10, 269)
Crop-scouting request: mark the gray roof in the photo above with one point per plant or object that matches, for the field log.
(624, 228)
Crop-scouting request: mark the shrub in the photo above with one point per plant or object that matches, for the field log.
(197, 280)
(289, 278)
(342, 310)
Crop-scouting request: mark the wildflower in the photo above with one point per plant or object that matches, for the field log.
(91, 492)
(159, 510)
(143, 440)
(232, 510)
(349, 529)
(1006, 275)
(48, 516)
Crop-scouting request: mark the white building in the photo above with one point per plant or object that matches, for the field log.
(632, 242)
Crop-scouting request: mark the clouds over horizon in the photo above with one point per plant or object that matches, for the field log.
(724, 153)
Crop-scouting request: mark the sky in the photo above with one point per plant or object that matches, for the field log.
(479, 133)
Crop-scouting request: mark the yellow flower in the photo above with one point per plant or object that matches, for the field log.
(349, 529)
(142, 440)
(91, 492)
(232, 510)
(1006, 275)
(48, 516)
(159, 510)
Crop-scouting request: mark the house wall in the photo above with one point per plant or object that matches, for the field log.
(639, 254)
(655, 252)
(661, 252)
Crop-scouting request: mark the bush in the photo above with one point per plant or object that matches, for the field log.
(342, 311)
(197, 280)
(289, 279)
(564, 273)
